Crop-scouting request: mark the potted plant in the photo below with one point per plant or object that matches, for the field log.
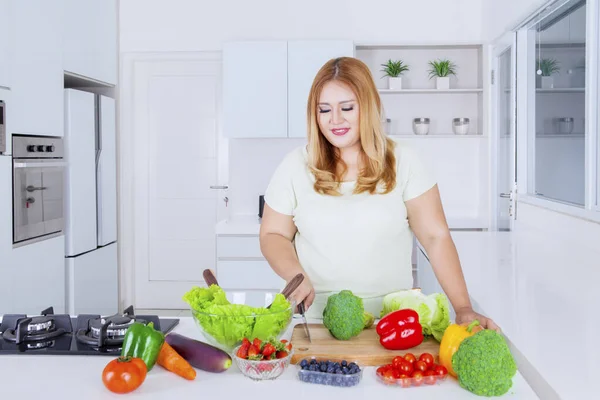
(441, 70)
(393, 69)
(546, 67)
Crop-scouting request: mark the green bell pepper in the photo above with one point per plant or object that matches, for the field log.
(143, 341)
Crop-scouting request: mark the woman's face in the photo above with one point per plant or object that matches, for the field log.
(338, 115)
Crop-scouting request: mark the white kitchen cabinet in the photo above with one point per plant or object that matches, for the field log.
(241, 267)
(5, 42)
(6, 269)
(255, 89)
(90, 39)
(36, 68)
(305, 58)
(93, 282)
(266, 85)
(426, 277)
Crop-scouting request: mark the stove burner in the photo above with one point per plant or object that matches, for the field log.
(108, 331)
(35, 329)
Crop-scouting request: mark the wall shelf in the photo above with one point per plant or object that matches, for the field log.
(429, 91)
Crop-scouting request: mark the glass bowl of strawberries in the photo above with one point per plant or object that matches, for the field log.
(263, 360)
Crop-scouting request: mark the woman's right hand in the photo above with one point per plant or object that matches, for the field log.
(304, 292)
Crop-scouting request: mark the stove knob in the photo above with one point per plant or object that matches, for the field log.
(31, 148)
(40, 148)
(50, 149)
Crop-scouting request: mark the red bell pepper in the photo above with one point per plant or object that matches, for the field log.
(400, 330)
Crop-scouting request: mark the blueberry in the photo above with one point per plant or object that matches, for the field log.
(303, 363)
(330, 370)
(352, 364)
(313, 361)
(344, 363)
(339, 372)
(345, 370)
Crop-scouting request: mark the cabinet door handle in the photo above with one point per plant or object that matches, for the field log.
(219, 187)
(31, 188)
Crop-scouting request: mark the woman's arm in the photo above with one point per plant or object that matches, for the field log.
(427, 220)
(276, 244)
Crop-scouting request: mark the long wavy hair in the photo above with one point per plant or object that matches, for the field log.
(377, 159)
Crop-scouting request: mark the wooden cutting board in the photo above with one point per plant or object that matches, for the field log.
(364, 348)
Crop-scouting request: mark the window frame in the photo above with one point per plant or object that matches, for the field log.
(526, 90)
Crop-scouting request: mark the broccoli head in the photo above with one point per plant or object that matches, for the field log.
(484, 364)
(344, 315)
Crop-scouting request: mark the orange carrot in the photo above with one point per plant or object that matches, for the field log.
(170, 360)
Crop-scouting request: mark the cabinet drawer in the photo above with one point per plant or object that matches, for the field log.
(238, 246)
(248, 275)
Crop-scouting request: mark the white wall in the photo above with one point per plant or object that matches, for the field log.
(499, 16)
(192, 25)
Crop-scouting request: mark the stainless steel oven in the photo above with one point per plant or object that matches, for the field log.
(38, 174)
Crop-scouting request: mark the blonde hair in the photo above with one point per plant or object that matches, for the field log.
(377, 150)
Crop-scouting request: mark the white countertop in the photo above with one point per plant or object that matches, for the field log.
(546, 304)
(250, 225)
(79, 377)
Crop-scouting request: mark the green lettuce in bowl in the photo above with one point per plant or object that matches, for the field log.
(225, 324)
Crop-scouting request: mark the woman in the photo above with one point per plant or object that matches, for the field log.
(343, 209)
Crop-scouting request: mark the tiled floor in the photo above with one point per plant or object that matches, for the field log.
(166, 313)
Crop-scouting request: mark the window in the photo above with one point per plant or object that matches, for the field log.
(559, 81)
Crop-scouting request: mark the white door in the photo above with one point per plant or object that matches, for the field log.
(169, 162)
(504, 132)
(305, 58)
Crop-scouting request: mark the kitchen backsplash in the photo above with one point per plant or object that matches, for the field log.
(251, 165)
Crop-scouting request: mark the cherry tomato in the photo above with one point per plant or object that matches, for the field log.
(420, 366)
(429, 377)
(427, 359)
(405, 381)
(440, 370)
(124, 374)
(410, 357)
(397, 361)
(381, 370)
(417, 378)
(406, 367)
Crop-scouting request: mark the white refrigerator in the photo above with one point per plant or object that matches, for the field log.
(90, 204)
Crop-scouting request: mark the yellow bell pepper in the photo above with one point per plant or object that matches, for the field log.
(453, 336)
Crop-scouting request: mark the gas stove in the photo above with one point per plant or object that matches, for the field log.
(84, 334)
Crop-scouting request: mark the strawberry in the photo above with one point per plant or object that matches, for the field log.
(288, 345)
(268, 350)
(281, 354)
(243, 352)
(246, 343)
(254, 353)
(264, 367)
(257, 343)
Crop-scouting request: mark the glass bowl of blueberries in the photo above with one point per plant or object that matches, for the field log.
(329, 372)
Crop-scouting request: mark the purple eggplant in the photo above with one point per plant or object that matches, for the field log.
(199, 354)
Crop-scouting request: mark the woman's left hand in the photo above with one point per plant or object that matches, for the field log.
(466, 315)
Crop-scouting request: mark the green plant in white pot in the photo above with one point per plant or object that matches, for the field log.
(394, 70)
(546, 67)
(441, 70)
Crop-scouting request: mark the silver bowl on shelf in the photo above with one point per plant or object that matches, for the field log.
(460, 126)
(564, 126)
(421, 126)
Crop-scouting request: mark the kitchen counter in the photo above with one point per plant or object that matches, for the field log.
(80, 377)
(546, 304)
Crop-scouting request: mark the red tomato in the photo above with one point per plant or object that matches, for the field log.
(417, 378)
(406, 367)
(410, 357)
(397, 361)
(420, 366)
(427, 359)
(381, 370)
(396, 374)
(430, 377)
(405, 381)
(440, 370)
(124, 374)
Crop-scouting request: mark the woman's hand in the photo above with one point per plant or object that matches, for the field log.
(465, 316)
(304, 292)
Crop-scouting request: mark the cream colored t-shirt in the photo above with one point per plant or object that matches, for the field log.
(361, 242)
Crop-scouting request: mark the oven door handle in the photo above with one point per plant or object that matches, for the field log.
(39, 164)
